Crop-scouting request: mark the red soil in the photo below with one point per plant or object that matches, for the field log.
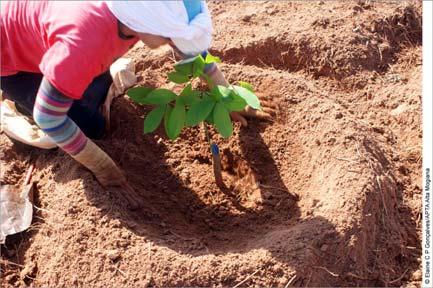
(327, 194)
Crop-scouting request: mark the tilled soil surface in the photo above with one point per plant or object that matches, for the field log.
(326, 194)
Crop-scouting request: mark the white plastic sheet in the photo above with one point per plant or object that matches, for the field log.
(16, 210)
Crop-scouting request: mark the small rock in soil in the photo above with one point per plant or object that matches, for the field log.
(28, 270)
(283, 281)
(324, 247)
(379, 130)
(417, 275)
(113, 255)
(185, 176)
(10, 278)
(247, 18)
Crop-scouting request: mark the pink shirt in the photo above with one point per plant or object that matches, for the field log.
(69, 42)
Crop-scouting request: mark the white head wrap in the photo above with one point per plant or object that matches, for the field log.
(168, 19)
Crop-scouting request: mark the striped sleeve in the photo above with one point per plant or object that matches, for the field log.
(50, 114)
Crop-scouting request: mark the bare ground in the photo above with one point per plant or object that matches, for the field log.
(339, 168)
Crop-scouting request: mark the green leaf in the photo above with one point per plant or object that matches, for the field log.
(199, 111)
(212, 59)
(189, 96)
(154, 118)
(184, 67)
(176, 120)
(209, 118)
(177, 77)
(234, 102)
(218, 92)
(198, 66)
(167, 114)
(249, 97)
(221, 91)
(139, 94)
(222, 120)
(207, 96)
(160, 96)
(246, 85)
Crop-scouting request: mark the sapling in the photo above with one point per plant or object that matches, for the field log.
(195, 107)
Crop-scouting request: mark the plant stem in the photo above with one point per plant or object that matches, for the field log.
(206, 133)
(215, 157)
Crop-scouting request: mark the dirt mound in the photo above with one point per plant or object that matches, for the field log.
(327, 194)
(371, 33)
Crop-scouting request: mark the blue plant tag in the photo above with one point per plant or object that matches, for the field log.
(215, 150)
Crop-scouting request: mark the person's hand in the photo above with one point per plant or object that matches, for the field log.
(268, 108)
(112, 179)
(107, 173)
(267, 113)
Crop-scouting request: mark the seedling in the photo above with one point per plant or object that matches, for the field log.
(195, 107)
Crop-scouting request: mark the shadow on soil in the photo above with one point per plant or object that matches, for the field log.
(172, 211)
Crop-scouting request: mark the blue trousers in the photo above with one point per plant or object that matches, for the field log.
(85, 112)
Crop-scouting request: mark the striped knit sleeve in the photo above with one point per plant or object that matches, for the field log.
(50, 114)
